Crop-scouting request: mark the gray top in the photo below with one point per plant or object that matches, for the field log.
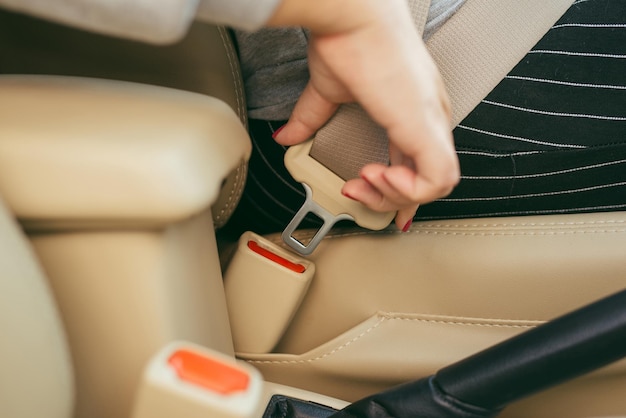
(275, 69)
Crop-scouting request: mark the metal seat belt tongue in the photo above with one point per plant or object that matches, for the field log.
(323, 199)
(310, 206)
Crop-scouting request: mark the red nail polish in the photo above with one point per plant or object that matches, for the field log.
(277, 131)
(347, 195)
(365, 179)
(407, 226)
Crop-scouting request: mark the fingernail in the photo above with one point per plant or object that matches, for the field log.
(347, 195)
(277, 131)
(407, 226)
(365, 178)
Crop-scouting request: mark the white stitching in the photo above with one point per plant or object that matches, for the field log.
(530, 212)
(386, 317)
(527, 224)
(239, 180)
(502, 323)
(330, 353)
(235, 193)
(239, 93)
(422, 229)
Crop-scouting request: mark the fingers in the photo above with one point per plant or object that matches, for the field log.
(434, 177)
(374, 191)
(311, 112)
(401, 188)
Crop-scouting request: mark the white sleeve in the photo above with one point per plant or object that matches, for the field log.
(247, 15)
(161, 21)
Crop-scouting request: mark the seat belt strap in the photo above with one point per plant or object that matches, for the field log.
(474, 50)
(366, 140)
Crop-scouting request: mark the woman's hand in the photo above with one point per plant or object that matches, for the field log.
(368, 51)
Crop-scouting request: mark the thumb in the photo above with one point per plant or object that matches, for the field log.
(311, 112)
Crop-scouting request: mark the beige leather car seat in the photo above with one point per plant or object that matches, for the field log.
(115, 184)
(36, 378)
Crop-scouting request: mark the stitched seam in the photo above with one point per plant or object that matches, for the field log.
(498, 323)
(418, 230)
(237, 188)
(458, 233)
(479, 234)
(241, 109)
(235, 192)
(527, 224)
(527, 212)
(386, 317)
(330, 353)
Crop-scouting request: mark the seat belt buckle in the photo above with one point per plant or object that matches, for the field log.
(324, 199)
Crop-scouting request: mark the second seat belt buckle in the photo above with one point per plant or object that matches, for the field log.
(324, 199)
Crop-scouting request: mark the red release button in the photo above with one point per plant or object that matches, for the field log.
(295, 267)
(210, 374)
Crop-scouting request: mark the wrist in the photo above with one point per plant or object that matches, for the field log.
(328, 16)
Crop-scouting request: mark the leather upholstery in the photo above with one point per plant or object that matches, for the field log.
(386, 308)
(36, 378)
(119, 215)
(33, 46)
(146, 155)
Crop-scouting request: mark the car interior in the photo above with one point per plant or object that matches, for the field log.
(119, 163)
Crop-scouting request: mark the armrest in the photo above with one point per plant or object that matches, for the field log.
(77, 151)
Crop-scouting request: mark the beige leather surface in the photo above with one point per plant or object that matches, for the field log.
(204, 61)
(388, 307)
(36, 374)
(79, 150)
(125, 294)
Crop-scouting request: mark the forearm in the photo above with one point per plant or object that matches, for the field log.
(332, 16)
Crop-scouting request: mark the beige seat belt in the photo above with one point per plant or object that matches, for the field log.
(474, 51)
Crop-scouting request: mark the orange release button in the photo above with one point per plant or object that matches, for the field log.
(210, 374)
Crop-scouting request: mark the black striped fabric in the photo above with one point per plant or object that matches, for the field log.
(550, 138)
